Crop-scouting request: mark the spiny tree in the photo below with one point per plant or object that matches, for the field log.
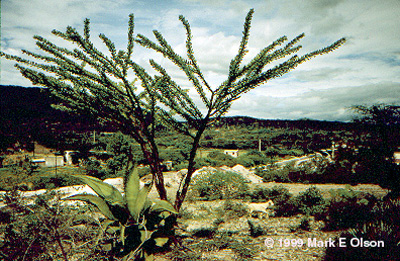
(89, 81)
(241, 79)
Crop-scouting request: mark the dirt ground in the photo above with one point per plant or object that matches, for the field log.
(289, 241)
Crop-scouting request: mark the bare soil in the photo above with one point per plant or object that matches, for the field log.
(278, 229)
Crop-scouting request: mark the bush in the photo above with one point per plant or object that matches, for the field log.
(92, 167)
(309, 202)
(305, 224)
(219, 185)
(286, 208)
(234, 209)
(217, 158)
(348, 209)
(259, 194)
(277, 174)
(384, 226)
(283, 201)
(256, 230)
(43, 230)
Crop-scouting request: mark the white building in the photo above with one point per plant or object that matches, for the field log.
(233, 153)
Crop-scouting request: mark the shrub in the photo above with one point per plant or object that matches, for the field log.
(234, 209)
(42, 230)
(283, 201)
(348, 209)
(219, 185)
(255, 230)
(305, 224)
(217, 158)
(92, 167)
(310, 202)
(259, 194)
(384, 226)
(286, 208)
(275, 173)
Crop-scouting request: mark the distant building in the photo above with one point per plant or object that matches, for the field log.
(54, 161)
(233, 153)
(397, 157)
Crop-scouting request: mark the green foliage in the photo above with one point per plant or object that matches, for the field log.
(277, 194)
(143, 226)
(309, 202)
(253, 158)
(217, 159)
(219, 185)
(382, 122)
(305, 224)
(383, 227)
(120, 148)
(348, 209)
(259, 194)
(43, 230)
(256, 230)
(276, 174)
(93, 167)
(232, 209)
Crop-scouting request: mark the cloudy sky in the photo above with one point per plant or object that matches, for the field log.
(366, 70)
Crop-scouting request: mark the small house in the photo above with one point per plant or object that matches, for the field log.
(232, 153)
(54, 161)
(396, 156)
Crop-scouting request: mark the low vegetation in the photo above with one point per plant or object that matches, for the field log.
(48, 229)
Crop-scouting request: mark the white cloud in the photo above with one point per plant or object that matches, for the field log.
(365, 70)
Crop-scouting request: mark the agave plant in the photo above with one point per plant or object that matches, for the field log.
(143, 225)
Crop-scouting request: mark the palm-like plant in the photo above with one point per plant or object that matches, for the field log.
(143, 225)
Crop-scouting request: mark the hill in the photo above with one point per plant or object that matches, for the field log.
(26, 114)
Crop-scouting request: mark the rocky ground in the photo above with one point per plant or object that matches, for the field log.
(220, 229)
